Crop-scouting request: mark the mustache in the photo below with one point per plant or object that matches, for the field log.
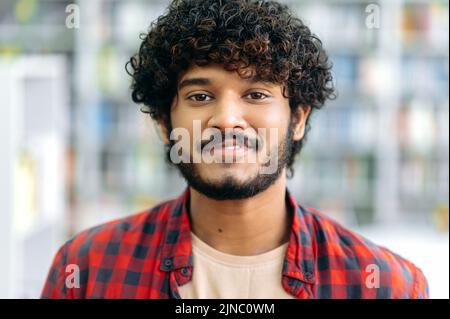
(231, 138)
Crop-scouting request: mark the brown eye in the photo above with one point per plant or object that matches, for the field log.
(199, 97)
(257, 95)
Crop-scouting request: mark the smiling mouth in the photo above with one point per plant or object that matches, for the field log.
(233, 143)
(233, 147)
(229, 149)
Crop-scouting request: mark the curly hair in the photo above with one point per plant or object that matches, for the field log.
(237, 34)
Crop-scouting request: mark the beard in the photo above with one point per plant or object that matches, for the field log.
(229, 188)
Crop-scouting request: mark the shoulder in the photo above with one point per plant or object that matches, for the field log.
(127, 231)
(94, 251)
(378, 271)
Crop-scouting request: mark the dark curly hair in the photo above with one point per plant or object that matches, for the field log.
(236, 34)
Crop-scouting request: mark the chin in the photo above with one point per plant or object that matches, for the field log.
(229, 171)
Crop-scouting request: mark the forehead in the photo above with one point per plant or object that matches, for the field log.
(217, 73)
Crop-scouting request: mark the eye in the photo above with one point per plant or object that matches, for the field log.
(199, 97)
(257, 96)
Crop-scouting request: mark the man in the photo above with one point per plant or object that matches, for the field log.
(219, 77)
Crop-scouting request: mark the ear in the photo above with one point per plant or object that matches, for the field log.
(163, 133)
(163, 123)
(300, 117)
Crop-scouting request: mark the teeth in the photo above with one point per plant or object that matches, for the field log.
(232, 147)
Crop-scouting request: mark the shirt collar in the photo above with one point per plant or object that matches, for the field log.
(299, 262)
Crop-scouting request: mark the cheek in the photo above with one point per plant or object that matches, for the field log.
(275, 125)
(183, 118)
(190, 120)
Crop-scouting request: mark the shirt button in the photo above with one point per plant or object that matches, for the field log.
(184, 271)
(168, 263)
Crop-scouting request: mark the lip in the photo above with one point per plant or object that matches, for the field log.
(232, 151)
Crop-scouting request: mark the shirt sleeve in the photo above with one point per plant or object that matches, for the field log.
(421, 289)
(54, 287)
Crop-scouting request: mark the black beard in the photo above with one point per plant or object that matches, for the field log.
(229, 188)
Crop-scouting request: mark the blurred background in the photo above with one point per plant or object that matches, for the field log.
(76, 152)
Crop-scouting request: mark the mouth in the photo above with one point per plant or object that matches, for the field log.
(230, 149)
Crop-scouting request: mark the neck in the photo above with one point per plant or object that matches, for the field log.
(243, 227)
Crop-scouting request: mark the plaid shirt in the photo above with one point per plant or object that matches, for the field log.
(148, 255)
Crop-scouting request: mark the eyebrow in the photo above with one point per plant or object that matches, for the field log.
(206, 81)
(194, 81)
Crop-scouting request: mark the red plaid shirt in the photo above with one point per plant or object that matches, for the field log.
(148, 255)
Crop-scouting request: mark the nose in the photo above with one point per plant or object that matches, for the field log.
(227, 114)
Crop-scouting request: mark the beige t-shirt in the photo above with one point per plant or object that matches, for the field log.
(218, 275)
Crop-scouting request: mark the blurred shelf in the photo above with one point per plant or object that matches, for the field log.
(345, 157)
(392, 105)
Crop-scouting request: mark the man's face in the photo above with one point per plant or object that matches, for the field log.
(213, 98)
